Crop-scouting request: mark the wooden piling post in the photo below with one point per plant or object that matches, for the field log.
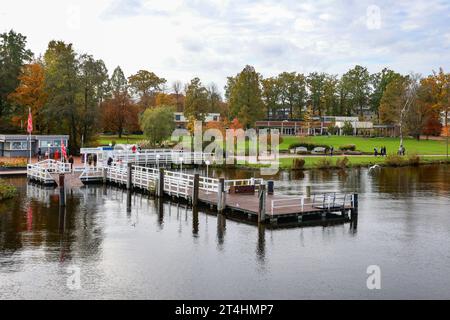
(355, 201)
(262, 203)
(270, 186)
(195, 189)
(308, 192)
(129, 175)
(62, 190)
(160, 186)
(220, 195)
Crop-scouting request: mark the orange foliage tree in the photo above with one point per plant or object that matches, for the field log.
(120, 114)
(30, 93)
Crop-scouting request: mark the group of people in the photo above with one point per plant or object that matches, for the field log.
(382, 151)
(401, 150)
(92, 159)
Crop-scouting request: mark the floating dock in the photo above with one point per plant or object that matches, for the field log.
(252, 197)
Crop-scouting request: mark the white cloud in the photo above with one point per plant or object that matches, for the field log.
(214, 39)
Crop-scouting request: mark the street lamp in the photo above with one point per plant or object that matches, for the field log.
(207, 162)
(157, 160)
(181, 164)
(48, 150)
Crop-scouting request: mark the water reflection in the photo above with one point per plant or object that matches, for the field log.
(125, 241)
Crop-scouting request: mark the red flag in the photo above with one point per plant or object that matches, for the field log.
(30, 122)
(63, 149)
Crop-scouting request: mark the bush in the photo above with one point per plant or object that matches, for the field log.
(413, 159)
(347, 129)
(332, 129)
(7, 191)
(394, 160)
(13, 162)
(348, 147)
(298, 164)
(324, 163)
(342, 162)
(309, 146)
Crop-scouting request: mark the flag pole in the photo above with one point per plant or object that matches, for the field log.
(29, 135)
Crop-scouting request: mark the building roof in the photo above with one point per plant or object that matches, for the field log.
(4, 137)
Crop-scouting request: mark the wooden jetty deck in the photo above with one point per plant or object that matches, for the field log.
(253, 197)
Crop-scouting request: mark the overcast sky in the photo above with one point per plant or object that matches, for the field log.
(212, 39)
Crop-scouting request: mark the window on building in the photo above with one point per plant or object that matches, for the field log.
(17, 145)
(177, 117)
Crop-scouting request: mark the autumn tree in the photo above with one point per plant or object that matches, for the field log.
(214, 99)
(13, 55)
(146, 85)
(177, 88)
(379, 81)
(119, 114)
(196, 102)
(245, 97)
(30, 93)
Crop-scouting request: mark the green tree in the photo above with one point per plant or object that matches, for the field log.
(93, 87)
(61, 85)
(379, 81)
(196, 103)
(330, 98)
(347, 129)
(293, 93)
(13, 56)
(146, 85)
(246, 102)
(271, 92)
(158, 123)
(358, 85)
(119, 83)
(316, 86)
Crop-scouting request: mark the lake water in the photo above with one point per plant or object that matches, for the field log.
(169, 252)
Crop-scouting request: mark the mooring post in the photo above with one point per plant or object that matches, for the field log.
(129, 175)
(355, 201)
(195, 189)
(308, 191)
(220, 195)
(62, 191)
(262, 203)
(160, 186)
(270, 186)
(354, 209)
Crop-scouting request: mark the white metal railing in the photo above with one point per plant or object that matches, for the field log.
(161, 156)
(42, 170)
(91, 174)
(332, 200)
(143, 177)
(288, 203)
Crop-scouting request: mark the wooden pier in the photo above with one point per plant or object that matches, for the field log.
(252, 197)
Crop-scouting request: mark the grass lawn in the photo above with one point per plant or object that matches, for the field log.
(425, 147)
(105, 140)
(360, 161)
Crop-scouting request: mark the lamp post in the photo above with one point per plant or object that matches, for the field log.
(181, 164)
(48, 150)
(157, 160)
(207, 174)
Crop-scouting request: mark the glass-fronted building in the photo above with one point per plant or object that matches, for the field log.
(14, 145)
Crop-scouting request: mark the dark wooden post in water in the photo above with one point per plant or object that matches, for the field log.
(270, 186)
(129, 176)
(221, 195)
(354, 209)
(262, 203)
(308, 191)
(195, 189)
(160, 186)
(62, 191)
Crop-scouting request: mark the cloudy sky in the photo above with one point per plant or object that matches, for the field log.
(212, 39)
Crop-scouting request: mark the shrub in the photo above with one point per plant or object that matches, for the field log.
(13, 162)
(7, 191)
(298, 164)
(347, 128)
(342, 162)
(332, 129)
(348, 147)
(394, 160)
(324, 163)
(413, 159)
(307, 145)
